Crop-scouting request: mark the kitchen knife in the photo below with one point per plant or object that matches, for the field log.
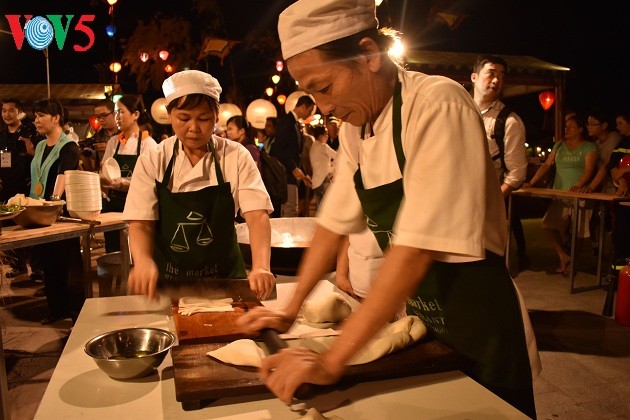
(274, 343)
(210, 288)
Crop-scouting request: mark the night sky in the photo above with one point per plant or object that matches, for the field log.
(591, 39)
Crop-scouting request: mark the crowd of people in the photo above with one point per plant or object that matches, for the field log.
(380, 167)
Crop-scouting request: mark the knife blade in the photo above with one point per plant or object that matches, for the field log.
(210, 288)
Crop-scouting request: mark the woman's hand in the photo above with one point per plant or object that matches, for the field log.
(286, 370)
(121, 184)
(260, 317)
(261, 282)
(143, 279)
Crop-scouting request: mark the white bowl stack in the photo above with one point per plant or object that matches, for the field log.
(83, 194)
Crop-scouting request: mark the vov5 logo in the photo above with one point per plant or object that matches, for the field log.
(39, 31)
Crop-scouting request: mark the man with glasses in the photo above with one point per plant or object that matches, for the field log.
(104, 112)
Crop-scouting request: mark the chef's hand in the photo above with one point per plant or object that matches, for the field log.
(260, 317)
(261, 282)
(121, 184)
(286, 370)
(143, 279)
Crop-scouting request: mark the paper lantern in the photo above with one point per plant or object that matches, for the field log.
(546, 99)
(163, 55)
(281, 99)
(144, 57)
(258, 111)
(115, 67)
(168, 68)
(279, 65)
(158, 111)
(94, 123)
(227, 111)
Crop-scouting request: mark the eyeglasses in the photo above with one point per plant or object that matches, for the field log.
(103, 116)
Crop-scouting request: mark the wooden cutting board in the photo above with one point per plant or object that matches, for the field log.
(216, 327)
(199, 379)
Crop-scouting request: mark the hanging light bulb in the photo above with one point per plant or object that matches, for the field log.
(279, 65)
(269, 91)
(168, 68)
(144, 57)
(275, 79)
(110, 30)
(281, 99)
(163, 55)
(115, 67)
(112, 2)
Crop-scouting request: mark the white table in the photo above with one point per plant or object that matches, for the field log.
(78, 389)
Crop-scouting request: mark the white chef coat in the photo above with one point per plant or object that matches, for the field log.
(129, 148)
(236, 163)
(452, 203)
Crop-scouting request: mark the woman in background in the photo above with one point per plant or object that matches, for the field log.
(238, 131)
(59, 259)
(576, 162)
(124, 148)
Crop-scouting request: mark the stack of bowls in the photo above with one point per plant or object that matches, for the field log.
(83, 194)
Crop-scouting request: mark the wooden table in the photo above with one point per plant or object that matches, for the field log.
(575, 197)
(78, 389)
(13, 237)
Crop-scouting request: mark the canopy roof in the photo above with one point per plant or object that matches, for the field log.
(79, 99)
(526, 74)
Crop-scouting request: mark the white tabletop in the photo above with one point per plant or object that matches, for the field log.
(79, 389)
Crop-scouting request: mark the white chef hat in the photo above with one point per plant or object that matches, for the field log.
(191, 81)
(308, 24)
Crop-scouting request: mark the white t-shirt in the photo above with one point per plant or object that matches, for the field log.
(452, 205)
(236, 163)
(514, 152)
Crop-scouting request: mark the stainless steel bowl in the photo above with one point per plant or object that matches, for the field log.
(290, 236)
(38, 216)
(130, 353)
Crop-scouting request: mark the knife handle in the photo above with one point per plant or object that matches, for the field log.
(274, 343)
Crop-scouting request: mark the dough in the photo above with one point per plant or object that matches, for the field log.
(331, 307)
(393, 337)
(240, 352)
(192, 305)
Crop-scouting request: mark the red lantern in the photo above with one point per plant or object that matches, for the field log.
(94, 123)
(547, 99)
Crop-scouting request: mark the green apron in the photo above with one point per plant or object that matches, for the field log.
(127, 164)
(471, 307)
(195, 235)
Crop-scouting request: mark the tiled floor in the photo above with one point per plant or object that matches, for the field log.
(585, 356)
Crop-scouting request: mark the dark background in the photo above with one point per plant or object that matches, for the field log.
(591, 39)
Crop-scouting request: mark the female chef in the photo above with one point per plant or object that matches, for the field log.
(414, 167)
(124, 148)
(185, 193)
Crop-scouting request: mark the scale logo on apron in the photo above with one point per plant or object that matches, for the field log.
(197, 223)
(379, 232)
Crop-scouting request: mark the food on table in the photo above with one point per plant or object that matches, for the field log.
(331, 307)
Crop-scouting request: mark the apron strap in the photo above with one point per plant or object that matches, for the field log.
(397, 127)
(217, 169)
